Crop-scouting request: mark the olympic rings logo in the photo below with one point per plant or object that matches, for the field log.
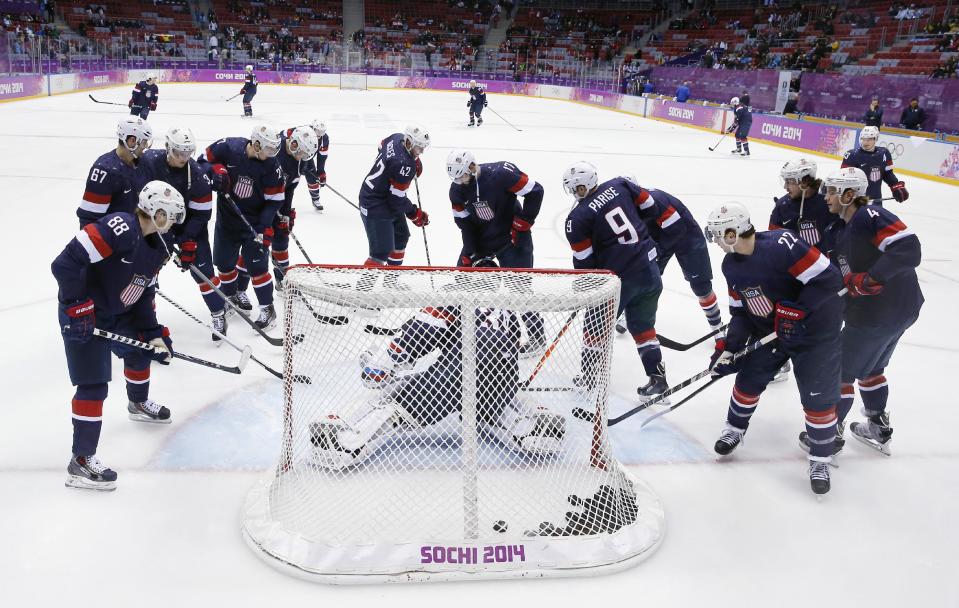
(895, 149)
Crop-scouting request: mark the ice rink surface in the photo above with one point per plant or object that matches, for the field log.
(745, 532)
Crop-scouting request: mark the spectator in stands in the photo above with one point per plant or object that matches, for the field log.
(913, 116)
(682, 93)
(873, 116)
(647, 87)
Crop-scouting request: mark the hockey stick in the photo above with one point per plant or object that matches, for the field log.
(426, 245)
(234, 97)
(336, 192)
(300, 246)
(238, 369)
(221, 336)
(549, 351)
(672, 345)
(682, 401)
(582, 414)
(503, 119)
(713, 148)
(107, 103)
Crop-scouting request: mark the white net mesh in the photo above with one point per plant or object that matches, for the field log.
(413, 448)
(353, 81)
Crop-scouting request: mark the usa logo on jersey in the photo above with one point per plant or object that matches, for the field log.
(875, 174)
(757, 302)
(483, 211)
(808, 231)
(843, 264)
(132, 292)
(243, 187)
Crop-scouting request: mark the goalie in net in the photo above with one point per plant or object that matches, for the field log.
(419, 376)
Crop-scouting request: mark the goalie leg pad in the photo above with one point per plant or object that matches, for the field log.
(340, 443)
(534, 430)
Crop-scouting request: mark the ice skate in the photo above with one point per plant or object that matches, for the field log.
(219, 325)
(819, 476)
(479, 121)
(148, 411)
(317, 205)
(655, 387)
(472, 123)
(874, 432)
(533, 347)
(241, 301)
(728, 441)
(783, 374)
(621, 325)
(838, 444)
(88, 473)
(267, 318)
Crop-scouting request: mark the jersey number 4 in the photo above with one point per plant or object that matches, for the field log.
(617, 220)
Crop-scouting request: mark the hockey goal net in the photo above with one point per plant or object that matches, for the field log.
(352, 81)
(428, 435)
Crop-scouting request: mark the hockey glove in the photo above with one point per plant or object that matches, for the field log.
(77, 320)
(519, 225)
(861, 284)
(721, 362)
(153, 106)
(265, 238)
(485, 103)
(731, 128)
(220, 178)
(899, 192)
(322, 178)
(465, 261)
(469, 102)
(159, 338)
(285, 226)
(419, 218)
(419, 167)
(130, 104)
(187, 254)
(789, 325)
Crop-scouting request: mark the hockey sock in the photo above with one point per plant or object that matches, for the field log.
(648, 348)
(87, 410)
(847, 394)
(746, 147)
(739, 146)
(213, 301)
(741, 408)
(228, 282)
(874, 391)
(263, 287)
(710, 308)
(248, 109)
(136, 370)
(243, 280)
(821, 432)
(396, 257)
(281, 261)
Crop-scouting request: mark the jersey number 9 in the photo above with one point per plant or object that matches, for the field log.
(621, 225)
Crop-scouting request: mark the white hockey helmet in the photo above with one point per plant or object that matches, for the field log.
(249, 68)
(848, 178)
(732, 216)
(137, 128)
(319, 127)
(305, 142)
(151, 76)
(580, 173)
(458, 165)
(472, 83)
(161, 196)
(180, 143)
(267, 138)
(416, 136)
(869, 133)
(734, 101)
(797, 169)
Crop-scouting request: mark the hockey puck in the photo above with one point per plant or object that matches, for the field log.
(302, 379)
(500, 526)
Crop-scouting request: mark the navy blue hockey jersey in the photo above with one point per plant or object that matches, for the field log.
(255, 185)
(192, 184)
(670, 223)
(877, 242)
(477, 98)
(111, 262)
(484, 208)
(877, 165)
(112, 186)
(605, 230)
(249, 84)
(144, 95)
(383, 193)
(811, 226)
(742, 118)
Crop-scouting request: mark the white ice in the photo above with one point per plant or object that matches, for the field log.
(743, 532)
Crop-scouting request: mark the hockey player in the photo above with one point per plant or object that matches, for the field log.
(493, 223)
(675, 231)
(383, 200)
(297, 148)
(175, 166)
(876, 162)
(315, 172)
(106, 277)
(742, 122)
(605, 231)
(877, 255)
(143, 99)
(249, 92)
(114, 180)
(246, 175)
(778, 283)
(418, 399)
(476, 103)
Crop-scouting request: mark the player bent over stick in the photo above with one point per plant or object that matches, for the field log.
(418, 399)
(777, 282)
(878, 256)
(493, 223)
(605, 231)
(106, 276)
